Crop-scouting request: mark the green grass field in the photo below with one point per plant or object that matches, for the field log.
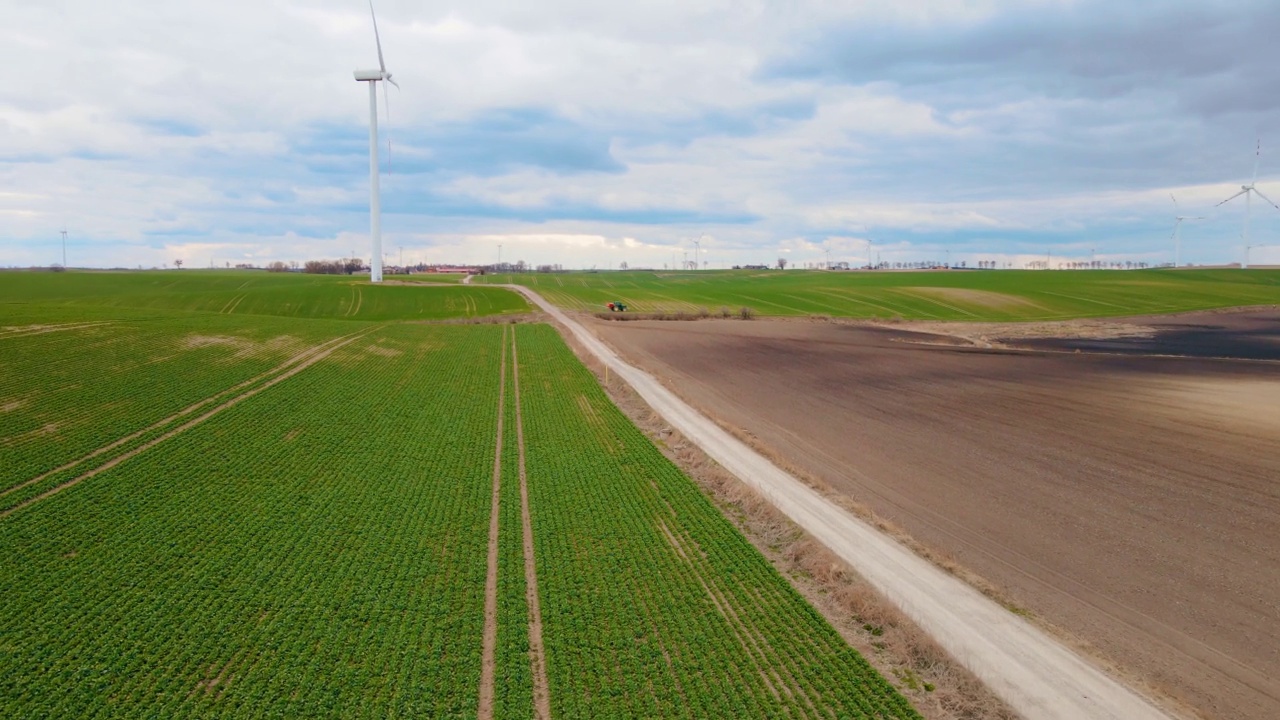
(430, 278)
(254, 292)
(1009, 295)
(287, 513)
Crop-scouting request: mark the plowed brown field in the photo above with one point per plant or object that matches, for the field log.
(1131, 500)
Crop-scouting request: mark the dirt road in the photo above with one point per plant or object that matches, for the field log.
(1036, 675)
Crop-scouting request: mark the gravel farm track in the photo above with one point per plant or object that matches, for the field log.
(1124, 495)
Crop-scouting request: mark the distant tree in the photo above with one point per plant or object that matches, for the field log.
(277, 266)
(622, 265)
(782, 263)
(177, 264)
(326, 267)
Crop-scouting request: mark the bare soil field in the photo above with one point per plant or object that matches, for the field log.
(1131, 501)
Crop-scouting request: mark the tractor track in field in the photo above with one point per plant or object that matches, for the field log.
(1035, 674)
(296, 358)
(537, 651)
(280, 373)
(359, 302)
(490, 642)
(232, 304)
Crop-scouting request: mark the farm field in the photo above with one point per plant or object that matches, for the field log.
(248, 515)
(1005, 295)
(255, 292)
(429, 277)
(1126, 498)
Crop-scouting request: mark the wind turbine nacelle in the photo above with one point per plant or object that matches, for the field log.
(368, 75)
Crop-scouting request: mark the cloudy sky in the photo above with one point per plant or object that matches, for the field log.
(590, 134)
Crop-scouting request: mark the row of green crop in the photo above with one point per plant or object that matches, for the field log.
(316, 551)
(513, 680)
(67, 392)
(653, 604)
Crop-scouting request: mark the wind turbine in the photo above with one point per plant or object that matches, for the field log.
(1177, 231)
(1248, 191)
(373, 77)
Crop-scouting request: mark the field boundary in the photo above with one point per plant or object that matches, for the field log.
(1028, 669)
(938, 686)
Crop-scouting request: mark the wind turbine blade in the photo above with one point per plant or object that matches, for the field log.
(377, 39)
(1175, 202)
(1233, 197)
(1264, 197)
(393, 82)
(1257, 157)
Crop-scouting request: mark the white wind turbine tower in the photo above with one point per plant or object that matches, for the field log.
(375, 204)
(1177, 232)
(1248, 191)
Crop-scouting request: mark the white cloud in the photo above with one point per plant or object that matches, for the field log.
(236, 128)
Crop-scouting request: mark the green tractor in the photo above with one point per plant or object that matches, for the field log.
(617, 306)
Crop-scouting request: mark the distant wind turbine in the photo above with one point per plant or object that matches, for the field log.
(1248, 191)
(1177, 231)
(375, 202)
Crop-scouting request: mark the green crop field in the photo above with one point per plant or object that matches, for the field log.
(1005, 295)
(430, 278)
(254, 292)
(298, 512)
